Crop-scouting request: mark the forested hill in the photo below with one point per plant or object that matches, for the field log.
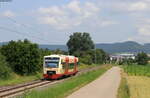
(3, 43)
(54, 47)
(129, 46)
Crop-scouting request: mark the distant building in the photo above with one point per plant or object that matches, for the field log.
(119, 57)
(148, 55)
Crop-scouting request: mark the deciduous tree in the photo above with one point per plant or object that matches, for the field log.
(142, 58)
(23, 56)
(80, 42)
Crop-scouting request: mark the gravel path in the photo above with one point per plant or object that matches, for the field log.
(104, 87)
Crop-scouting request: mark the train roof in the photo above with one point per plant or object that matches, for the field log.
(56, 55)
(64, 57)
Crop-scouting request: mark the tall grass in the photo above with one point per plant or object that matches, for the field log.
(63, 89)
(17, 79)
(137, 70)
(123, 91)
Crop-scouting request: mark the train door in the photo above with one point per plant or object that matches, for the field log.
(75, 64)
(66, 65)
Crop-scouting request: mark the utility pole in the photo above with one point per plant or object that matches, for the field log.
(95, 53)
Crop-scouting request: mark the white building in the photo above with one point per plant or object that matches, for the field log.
(121, 56)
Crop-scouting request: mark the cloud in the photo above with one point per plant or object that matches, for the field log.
(48, 20)
(74, 6)
(132, 6)
(143, 31)
(138, 6)
(108, 23)
(139, 38)
(143, 27)
(8, 13)
(54, 10)
(69, 15)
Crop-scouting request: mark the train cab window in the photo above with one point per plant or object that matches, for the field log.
(51, 64)
(52, 58)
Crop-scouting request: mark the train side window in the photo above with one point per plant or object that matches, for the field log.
(63, 65)
(71, 65)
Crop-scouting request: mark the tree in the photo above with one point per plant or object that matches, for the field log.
(142, 58)
(98, 56)
(101, 56)
(58, 51)
(23, 56)
(5, 71)
(43, 52)
(86, 59)
(79, 42)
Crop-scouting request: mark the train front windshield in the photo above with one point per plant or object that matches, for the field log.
(51, 62)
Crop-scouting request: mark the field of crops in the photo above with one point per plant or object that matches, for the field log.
(138, 80)
(137, 70)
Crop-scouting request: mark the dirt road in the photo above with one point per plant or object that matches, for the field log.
(104, 87)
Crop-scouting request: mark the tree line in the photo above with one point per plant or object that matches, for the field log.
(140, 59)
(26, 58)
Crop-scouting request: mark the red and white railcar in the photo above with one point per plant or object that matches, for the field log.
(57, 66)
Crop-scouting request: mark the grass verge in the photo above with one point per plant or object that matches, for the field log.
(123, 91)
(84, 66)
(63, 89)
(16, 79)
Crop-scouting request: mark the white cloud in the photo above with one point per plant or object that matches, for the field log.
(48, 20)
(144, 30)
(138, 6)
(74, 6)
(68, 15)
(54, 10)
(108, 23)
(139, 38)
(8, 13)
(90, 9)
(132, 6)
(143, 26)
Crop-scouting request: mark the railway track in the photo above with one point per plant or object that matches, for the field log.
(11, 91)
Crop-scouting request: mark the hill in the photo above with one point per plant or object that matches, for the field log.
(128, 46)
(54, 47)
(3, 43)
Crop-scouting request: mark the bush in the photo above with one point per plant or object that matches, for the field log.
(5, 71)
(43, 52)
(86, 60)
(97, 56)
(23, 56)
(142, 58)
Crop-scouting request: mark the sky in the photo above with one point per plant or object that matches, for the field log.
(53, 21)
